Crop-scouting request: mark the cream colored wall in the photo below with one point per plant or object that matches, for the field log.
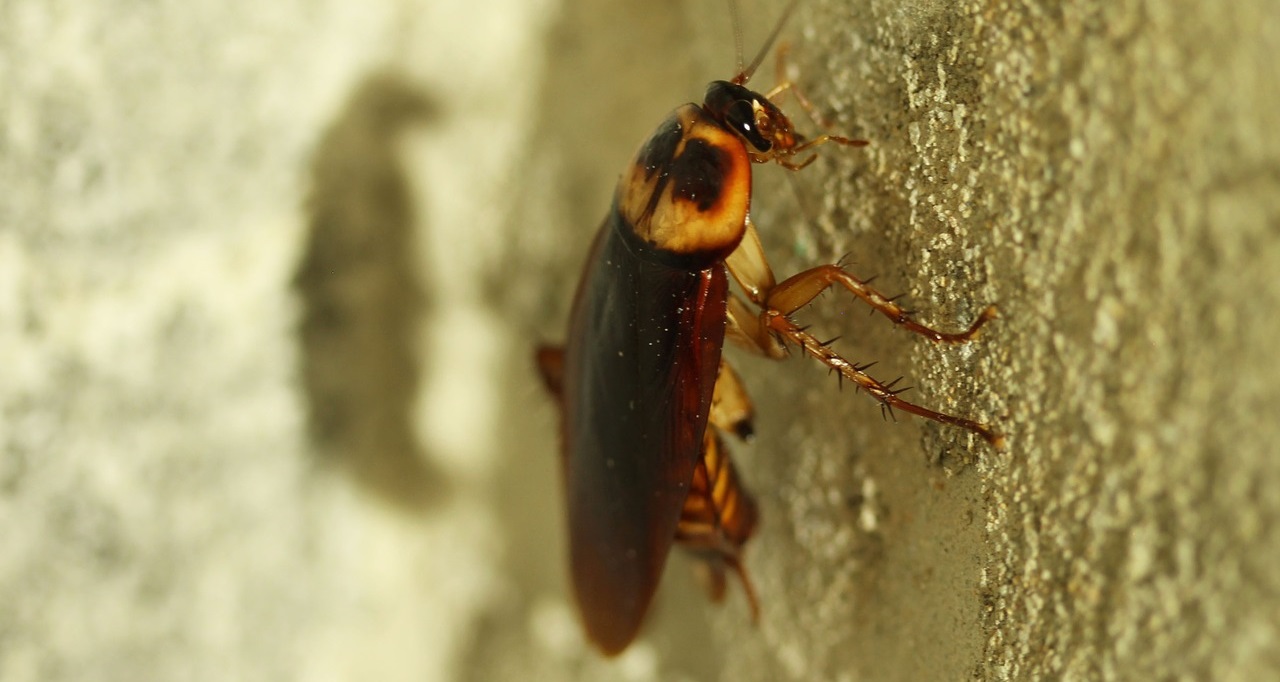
(167, 168)
(221, 222)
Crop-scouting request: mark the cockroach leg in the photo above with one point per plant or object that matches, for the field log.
(825, 138)
(785, 85)
(747, 265)
(797, 291)
(718, 518)
(750, 269)
(734, 562)
(795, 166)
(743, 327)
(781, 159)
(886, 394)
(731, 409)
(551, 366)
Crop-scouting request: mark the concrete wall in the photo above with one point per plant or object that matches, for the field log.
(269, 276)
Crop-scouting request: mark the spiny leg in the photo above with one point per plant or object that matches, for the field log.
(719, 515)
(886, 394)
(797, 291)
(745, 330)
(751, 270)
(718, 518)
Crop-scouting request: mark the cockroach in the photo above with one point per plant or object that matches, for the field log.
(644, 394)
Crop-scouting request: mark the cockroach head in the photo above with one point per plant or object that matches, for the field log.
(752, 117)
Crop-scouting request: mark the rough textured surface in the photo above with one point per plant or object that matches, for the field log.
(167, 171)
(183, 183)
(1105, 173)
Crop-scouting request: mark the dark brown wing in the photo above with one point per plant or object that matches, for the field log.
(639, 369)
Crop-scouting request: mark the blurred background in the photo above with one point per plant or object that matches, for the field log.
(271, 275)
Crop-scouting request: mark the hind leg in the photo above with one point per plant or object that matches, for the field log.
(719, 515)
(771, 328)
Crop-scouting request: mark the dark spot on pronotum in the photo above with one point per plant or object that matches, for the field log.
(698, 173)
(661, 148)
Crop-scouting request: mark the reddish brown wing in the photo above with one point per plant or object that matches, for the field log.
(639, 369)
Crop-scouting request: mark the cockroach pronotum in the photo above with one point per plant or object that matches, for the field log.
(643, 392)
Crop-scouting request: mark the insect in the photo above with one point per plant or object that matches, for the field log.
(644, 394)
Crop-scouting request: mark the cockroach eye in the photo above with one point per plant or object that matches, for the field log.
(741, 118)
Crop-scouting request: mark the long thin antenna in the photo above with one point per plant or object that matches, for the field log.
(737, 35)
(744, 75)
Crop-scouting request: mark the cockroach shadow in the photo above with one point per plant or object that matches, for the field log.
(362, 302)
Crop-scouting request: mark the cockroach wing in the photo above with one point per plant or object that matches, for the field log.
(639, 369)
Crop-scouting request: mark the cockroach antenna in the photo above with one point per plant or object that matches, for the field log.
(737, 36)
(744, 75)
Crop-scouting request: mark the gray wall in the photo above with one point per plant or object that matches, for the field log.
(269, 277)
